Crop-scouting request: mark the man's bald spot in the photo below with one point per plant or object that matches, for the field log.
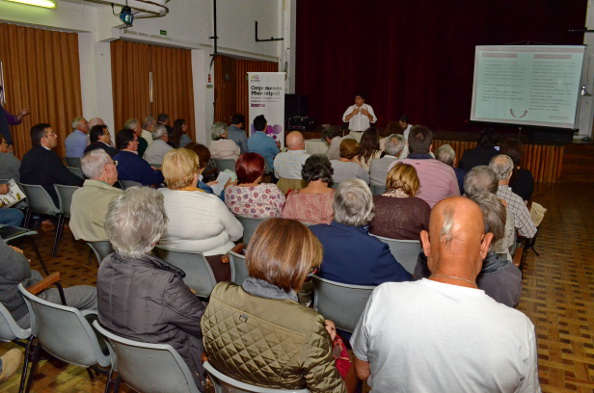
(295, 140)
(456, 218)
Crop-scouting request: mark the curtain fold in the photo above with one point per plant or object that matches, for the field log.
(42, 73)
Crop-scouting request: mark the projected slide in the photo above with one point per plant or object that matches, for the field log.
(532, 85)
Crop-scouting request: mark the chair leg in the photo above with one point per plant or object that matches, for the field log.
(27, 218)
(59, 230)
(91, 375)
(39, 256)
(28, 350)
(109, 381)
(116, 388)
(34, 363)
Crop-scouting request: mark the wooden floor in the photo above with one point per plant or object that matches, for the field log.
(558, 291)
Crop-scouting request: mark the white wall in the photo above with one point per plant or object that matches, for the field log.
(189, 24)
(586, 103)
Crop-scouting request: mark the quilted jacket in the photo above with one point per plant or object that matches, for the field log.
(268, 342)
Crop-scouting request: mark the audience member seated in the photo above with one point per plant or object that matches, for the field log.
(398, 213)
(9, 216)
(378, 168)
(281, 344)
(288, 164)
(438, 181)
(89, 203)
(15, 269)
(499, 277)
(261, 143)
(480, 180)
(250, 197)
(148, 125)
(351, 255)
(203, 159)
(441, 334)
(9, 164)
(134, 125)
(447, 155)
(198, 221)
(330, 136)
(220, 146)
(484, 151)
(312, 204)
(101, 139)
(236, 132)
(179, 134)
(41, 166)
(369, 148)
(140, 296)
(346, 166)
(130, 165)
(521, 182)
(76, 141)
(156, 151)
(405, 126)
(504, 167)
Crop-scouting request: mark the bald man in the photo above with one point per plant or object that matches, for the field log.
(443, 334)
(288, 164)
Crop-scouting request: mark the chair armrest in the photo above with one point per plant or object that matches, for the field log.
(238, 248)
(44, 284)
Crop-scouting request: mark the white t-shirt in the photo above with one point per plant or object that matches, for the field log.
(427, 336)
(359, 122)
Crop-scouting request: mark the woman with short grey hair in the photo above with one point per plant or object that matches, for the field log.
(351, 255)
(221, 147)
(140, 296)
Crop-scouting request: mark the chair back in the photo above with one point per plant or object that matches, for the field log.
(9, 329)
(65, 197)
(341, 303)
(149, 368)
(378, 190)
(249, 226)
(199, 275)
(223, 164)
(64, 332)
(39, 200)
(73, 162)
(225, 384)
(101, 249)
(129, 183)
(406, 252)
(238, 267)
(77, 171)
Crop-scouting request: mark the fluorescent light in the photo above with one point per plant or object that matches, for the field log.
(38, 3)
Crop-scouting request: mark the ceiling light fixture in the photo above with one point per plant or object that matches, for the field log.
(37, 3)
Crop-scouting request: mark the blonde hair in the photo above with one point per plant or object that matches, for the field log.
(179, 168)
(349, 148)
(403, 176)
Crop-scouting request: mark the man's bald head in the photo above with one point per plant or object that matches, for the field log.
(455, 245)
(295, 141)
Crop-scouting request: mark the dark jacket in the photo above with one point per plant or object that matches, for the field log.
(146, 300)
(352, 256)
(476, 157)
(132, 167)
(45, 168)
(112, 151)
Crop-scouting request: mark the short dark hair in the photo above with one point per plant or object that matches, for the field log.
(513, 148)
(419, 139)
(317, 167)
(359, 94)
(162, 117)
(404, 118)
(249, 167)
(96, 132)
(329, 132)
(38, 132)
(260, 123)
(124, 137)
(487, 138)
(237, 118)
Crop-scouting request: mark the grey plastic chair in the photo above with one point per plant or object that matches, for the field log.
(129, 183)
(239, 270)
(199, 275)
(73, 162)
(249, 226)
(225, 384)
(101, 249)
(65, 197)
(77, 171)
(148, 368)
(41, 202)
(341, 303)
(10, 233)
(378, 190)
(406, 252)
(63, 332)
(10, 331)
(223, 164)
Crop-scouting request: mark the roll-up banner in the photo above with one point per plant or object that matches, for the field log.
(267, 97)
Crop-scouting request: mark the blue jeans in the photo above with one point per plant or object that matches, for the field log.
(12, 217)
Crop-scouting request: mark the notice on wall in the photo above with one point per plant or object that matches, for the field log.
(529, 84)
(267, 97)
